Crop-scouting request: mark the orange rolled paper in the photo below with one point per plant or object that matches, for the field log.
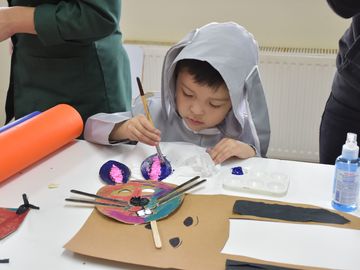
(32, 140)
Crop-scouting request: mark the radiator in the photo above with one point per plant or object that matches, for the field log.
(297, 83)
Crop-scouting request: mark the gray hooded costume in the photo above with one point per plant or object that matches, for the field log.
(233, 52)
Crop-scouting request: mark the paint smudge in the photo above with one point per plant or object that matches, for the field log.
(237, 170)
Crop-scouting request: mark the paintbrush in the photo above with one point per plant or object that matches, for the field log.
(148, 116)
(124, 203)
(179, 191)
(178, 188)
(153, 224)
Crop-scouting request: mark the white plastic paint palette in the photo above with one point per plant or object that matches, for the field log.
(275, 184)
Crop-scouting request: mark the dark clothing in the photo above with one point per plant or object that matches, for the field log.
(338, 119)
(342, 110)
(76, 58)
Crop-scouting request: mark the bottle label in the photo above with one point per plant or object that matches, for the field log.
(346, 187)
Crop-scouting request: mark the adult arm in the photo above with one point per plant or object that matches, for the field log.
(82, 21)
(16, 20)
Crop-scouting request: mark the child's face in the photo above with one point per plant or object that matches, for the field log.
(200, 106)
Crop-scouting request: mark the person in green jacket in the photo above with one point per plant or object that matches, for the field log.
(65, 52)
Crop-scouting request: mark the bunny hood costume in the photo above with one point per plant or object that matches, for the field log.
(233, 52)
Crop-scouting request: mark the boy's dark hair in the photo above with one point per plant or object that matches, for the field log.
(203, 72)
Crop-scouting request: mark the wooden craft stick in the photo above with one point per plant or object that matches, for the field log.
(156, 234)
(174, 193)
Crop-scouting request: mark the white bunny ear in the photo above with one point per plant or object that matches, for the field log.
(167, 80)
(258, 109)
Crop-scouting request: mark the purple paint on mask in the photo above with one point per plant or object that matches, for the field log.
(152, 168)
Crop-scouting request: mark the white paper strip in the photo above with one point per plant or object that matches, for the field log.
(310, 245)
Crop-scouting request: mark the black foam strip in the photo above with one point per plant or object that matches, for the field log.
(237, 265)
(287, 212)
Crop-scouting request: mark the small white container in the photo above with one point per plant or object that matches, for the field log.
(260, 182)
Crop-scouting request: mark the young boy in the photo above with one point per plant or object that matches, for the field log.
(211, 95)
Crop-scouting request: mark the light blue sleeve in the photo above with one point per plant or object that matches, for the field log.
(99, 126)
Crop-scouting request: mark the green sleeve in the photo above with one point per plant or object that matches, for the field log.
(82, 21)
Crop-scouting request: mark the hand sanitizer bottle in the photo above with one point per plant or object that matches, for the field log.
(346, 180)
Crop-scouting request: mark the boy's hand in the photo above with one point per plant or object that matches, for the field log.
(228, 148)
(138, 129)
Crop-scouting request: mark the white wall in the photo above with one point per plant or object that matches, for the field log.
(4, 77)
(4, 73)
(287, 23)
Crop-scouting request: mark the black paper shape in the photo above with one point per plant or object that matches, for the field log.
(188, 221)
(11, 218)
(237, 265)
(175, 242)
(24, 207)
(287, 212)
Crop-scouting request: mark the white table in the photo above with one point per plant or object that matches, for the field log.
(38, 243)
